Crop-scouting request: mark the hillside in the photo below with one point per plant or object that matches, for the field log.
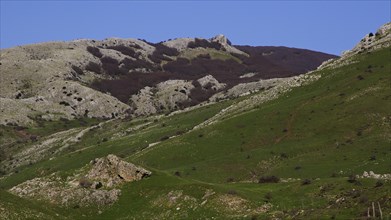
(129, 77)
(312, 146)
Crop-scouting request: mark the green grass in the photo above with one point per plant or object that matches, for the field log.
(317, 127)
(324, 132)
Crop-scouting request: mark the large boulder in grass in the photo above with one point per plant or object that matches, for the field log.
(97, 187)
(111, 171)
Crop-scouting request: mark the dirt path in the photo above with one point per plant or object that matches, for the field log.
(290, 122)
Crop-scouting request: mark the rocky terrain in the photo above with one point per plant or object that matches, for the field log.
(119, 77)
(94, 184)
(230, 132)
(369, 43)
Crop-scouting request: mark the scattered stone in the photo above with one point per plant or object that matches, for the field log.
(373, 175)
(94, 188)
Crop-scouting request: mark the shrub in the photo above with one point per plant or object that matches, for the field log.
(64, 103)
(77, 70)
(164, 138)
(177, 173)
(268, 196)
(232, 192)
(110, 66)
(379, 183)
(161, 50)
(306, 182)
(94, 67)
(283, 155)
(128, 64)
(204, 44)
(124, 50)
(33, 138)
(269, 179)
(127, 85)
(352, 178)
(98, 185)
(180, 132)
(363, 199)
(359, 77)
(230, 179)
(94, 51)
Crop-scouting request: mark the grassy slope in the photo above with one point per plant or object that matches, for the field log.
(316, 131)
(331, 125)
(330, 128)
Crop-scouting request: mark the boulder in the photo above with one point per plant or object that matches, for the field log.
(111, 171)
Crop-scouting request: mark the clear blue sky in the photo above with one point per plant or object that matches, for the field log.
(327, 26)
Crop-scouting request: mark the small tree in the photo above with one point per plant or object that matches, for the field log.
(306, 182)
(268, 179)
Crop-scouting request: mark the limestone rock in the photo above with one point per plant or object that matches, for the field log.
(209, 79)
(164, 96)
(224, 42)
(94, 188)
(111, 171)
(370, 42)
(53, 190)
(179, 43)
(373, 175)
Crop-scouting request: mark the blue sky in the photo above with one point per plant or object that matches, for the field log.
(327, 26)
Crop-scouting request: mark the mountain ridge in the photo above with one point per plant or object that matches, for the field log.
(73, 78)
(311, 146)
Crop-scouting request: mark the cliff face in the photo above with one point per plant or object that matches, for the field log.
(117, 77)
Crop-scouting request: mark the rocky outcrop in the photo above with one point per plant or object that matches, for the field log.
(166, 96)
(92, 185)
(212, 82)
(179, 43)
(170, 95)
(52, 189)
(370, 42)
(111, 171)
(243, 89)
(226, 44)
(373, 41)
(373, 175)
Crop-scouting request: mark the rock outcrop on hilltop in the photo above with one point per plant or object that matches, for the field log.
(119, 77)
(95, 184)
(370, 42)
(373, 41)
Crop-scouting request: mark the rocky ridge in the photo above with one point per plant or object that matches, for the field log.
(370, 42)
(117, 77)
